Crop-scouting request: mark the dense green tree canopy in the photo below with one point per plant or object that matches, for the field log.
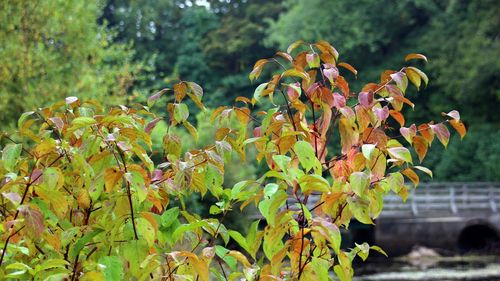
(54, 49)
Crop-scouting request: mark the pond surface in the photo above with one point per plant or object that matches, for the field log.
(457, 268)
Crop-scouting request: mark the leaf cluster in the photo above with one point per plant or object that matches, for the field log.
(83, 199)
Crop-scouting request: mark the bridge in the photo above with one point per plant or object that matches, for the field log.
(450, 216)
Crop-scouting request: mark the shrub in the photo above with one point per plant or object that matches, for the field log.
(82, 199)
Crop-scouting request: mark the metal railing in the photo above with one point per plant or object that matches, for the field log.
(445, 198)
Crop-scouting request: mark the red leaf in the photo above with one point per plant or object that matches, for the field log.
(338, 100)
(365, 99)
(330, 72)
(150, 126)
(33, 219)
(381, 113)
(453, 114)
(442, 133)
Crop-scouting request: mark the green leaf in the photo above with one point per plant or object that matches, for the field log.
(145, 230)
(222, 253)
(400, 153)
(321, 267)
(135, 252)
(112, 268)
(424, 169)
(214, 180)
(395, 181)
(81, 122)
(10, 155)
(22, 119)
(307, 157)
(214, 210)
(312, 182)
(364, 250)
(360, 210)
(257, 94)
(380, 250)
(50, 264)
(181, 112)
(269, 207)
(239, 239)
(359, 182)
(313, 60)
(270, 189)
(282, 161)
(84, 240)
(367, 150)
(180, 230)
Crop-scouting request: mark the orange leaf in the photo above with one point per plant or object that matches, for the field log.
(217, 112)
(243, 99)
(243, 115)
(426, 132)
(343, 85)
(348, 67)
(325, 47)
(257, 68)
(421, 146)
(285, 56)
(180, 90)
(459, 127)
(409, 173)
(415, 56)
(398, 116)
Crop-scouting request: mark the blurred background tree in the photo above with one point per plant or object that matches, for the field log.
(73, 48)
(53, 49)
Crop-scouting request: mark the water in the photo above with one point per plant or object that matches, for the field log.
(457, 268)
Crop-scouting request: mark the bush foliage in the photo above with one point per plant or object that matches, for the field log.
(82, 199)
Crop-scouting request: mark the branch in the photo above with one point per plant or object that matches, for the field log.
(129, 194)
(28, 185)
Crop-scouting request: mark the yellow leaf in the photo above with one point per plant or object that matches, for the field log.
(111, 178)
(240, 257)
(83, 199)
(294, 45)
(296, 73)
(414, 77)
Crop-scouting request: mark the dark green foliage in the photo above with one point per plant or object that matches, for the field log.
(460, 38)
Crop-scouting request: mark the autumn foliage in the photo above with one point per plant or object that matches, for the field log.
(82, 199)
